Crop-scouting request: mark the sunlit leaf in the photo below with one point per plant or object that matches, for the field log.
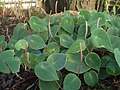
(93, 61)
(75, 47)
(73, 64)
(67, 24)
(115, 41)
(66, 40)
(71, 82)
(86, 14)
(91, 78)
(112, 68)
(117, 55)
(58, 60)
(100, 39)
(38, 24)
(51, 48)
(97, 18)
(9, 63)
(21, 44)
(46, 71)
(35, 42)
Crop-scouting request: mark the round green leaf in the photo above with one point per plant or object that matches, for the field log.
(71, 82)
(100, 39)
(4, 45)
(66, 40)
(91, 78)
(48, 85)
(51, 48)
(94, 27)
(54, 30)
(73, 64)
(117, 56)
(58, 60)
(94, 19)
(76, 45)
(46, 71)
(43, 35)
(38, 24)
(35, 42)
(81, 20)
(115, 41)
(9, 63)
(116, 22)
(21, 44)
(67, 24)
(85, 14)
(13, 64)
(82, 31)
(93, 61)
(19, 31)
(112, 68)
(113, 31)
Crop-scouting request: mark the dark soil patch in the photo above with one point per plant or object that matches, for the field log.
(12, 82)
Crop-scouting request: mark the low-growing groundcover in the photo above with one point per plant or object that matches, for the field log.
(66, 52)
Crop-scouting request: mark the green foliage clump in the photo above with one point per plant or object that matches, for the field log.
(84, 46)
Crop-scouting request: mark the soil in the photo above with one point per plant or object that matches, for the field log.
(27, 81)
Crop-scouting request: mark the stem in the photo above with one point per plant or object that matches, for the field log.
(116, 2)
(28, 58)
(92, 48)
(98, 5)
(59, 85)
(86, 32)
(64, 9)
(74, 4)
(19, 76)
(50, 30)
(0, 49)
(81, 57)
(56, 6)
(29, 11)
(28, 88)
(7, 34)
(98, 22)
(3, 13)
(16, 9)
(51, 33)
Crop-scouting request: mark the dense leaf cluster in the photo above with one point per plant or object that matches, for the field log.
(85, 46)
